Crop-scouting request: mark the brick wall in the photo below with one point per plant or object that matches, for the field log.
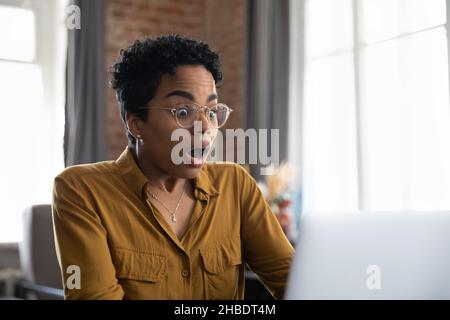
(221, 23)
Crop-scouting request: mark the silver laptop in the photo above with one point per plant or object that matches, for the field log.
(385, 255)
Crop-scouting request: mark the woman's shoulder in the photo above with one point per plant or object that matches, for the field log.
(89, 170)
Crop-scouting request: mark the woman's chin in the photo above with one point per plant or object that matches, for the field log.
(188, 171)
(192, 166)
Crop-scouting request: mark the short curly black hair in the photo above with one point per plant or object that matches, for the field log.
(137, 72)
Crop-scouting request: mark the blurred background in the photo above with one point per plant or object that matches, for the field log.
(359, 90)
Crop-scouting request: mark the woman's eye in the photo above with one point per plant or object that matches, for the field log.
(183, 112)
(212, 114)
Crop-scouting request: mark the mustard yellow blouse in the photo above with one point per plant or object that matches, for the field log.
(124, 249)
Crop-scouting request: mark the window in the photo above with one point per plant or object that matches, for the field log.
(32, 57)
(375, 104)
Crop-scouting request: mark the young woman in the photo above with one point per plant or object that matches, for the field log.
(143, 227)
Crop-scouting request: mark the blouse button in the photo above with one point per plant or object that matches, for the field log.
(185, 273)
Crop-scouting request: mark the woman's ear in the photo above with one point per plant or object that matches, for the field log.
(133, 124)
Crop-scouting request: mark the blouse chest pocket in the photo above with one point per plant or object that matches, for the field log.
(141, 274)
(221, 269)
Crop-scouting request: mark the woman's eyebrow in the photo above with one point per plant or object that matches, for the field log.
(189, 96)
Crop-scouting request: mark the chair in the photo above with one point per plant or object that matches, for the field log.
(42, 275)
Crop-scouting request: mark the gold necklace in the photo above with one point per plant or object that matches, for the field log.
(172, 213)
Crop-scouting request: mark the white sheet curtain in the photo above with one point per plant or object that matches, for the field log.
(371, 78)
(32, 63)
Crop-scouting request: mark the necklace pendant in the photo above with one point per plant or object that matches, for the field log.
(174, 219)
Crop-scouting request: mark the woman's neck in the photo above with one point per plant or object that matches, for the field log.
(158, 178)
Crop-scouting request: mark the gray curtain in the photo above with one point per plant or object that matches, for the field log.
(84, 136)
(268, 70)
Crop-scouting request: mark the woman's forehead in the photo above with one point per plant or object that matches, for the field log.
(191, 91)
(189, 75)
(196, 82)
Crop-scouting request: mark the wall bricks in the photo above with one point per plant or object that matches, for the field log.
(221, 23)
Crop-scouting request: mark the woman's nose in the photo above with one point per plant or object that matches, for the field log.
(201, 123)
(204, 119)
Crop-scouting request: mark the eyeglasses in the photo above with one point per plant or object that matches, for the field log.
(187, 113)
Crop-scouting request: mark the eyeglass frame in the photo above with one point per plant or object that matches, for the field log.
(174, 109)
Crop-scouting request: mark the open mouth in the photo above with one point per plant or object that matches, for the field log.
(199, 153)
